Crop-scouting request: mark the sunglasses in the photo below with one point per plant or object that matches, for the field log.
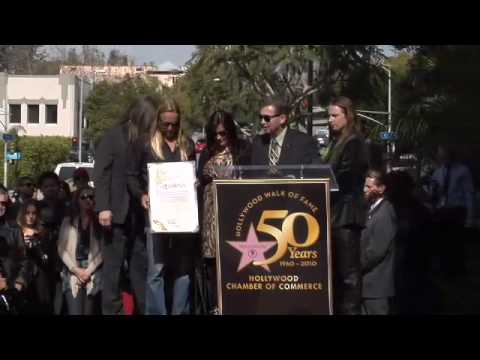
(267, 118)
(166, 125)
(221, 133)
(85, 197)
(28, 184)
(4, 203)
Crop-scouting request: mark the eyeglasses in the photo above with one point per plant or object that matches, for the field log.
(221, 133)
(166, 125)
(267, 118)
(85, 197)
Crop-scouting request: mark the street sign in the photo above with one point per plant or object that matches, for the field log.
(9, 137)
(387, 136)
(14, 156)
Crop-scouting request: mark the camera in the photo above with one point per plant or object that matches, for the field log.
(35, 246)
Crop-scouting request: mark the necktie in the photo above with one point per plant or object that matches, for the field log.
(274, 154)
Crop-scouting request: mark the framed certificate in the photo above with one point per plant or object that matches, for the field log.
(173, 197)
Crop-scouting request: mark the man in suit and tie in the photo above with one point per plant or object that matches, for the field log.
(280, 145)
(377, 248)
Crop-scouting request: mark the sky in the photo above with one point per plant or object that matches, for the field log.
(166, 57)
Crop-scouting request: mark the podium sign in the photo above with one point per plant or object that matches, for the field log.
(273, 241)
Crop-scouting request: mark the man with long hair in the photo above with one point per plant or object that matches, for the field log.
(116, 211)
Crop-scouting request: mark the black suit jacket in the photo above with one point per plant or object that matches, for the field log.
(297, 149)
(13, 260)
(378, 252)
(349, 163)
(110, 174)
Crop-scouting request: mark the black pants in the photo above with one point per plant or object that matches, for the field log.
(378, 306)
(347, 271)
(82, 304)
(138, 271)
(451, 238)
(114, 253)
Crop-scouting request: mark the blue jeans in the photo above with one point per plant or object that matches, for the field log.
(155, 292)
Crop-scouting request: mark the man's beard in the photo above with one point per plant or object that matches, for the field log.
(370, 200)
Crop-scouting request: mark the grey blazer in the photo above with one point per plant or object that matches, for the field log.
(377, 252)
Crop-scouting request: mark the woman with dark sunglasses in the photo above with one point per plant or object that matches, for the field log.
(79, 248)
(223, 149)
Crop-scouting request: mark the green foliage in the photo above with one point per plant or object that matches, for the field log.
(108, 101)
(238, 78)
(39, 154)
(438, 96)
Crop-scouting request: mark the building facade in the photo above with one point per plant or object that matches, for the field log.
(37, 105)
(114, 73)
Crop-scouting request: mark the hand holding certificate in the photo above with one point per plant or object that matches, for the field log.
(173, 197)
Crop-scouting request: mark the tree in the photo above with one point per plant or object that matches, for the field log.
(240, 77)
(73, 58)
(108, 101)
(438, 93)
(20, 59)
(115, 57)
(92, 55)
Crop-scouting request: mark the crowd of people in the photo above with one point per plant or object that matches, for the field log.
(75, 253)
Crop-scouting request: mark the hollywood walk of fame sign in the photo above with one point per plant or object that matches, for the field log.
(273, 240)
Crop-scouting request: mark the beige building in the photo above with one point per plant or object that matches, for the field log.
(38, 105)
(118, 73)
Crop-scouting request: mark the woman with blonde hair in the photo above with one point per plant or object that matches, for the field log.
(166, 252)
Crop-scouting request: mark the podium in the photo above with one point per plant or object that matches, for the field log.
(273, 239)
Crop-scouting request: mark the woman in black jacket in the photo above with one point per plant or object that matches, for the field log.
(348, 157)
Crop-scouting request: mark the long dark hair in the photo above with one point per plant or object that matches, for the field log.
(74, 212)
(139, 117)
(226, 119)
(21, 217)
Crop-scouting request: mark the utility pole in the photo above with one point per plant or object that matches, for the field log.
(310, 99)
(391, 143)
(80, 121)
(5, 146)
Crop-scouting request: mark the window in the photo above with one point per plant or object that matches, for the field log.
(51, 114)
(33, 114)
(15, 114)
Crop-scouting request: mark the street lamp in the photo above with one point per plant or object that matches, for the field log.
(390, 145)
(5, 147)
(388, 126)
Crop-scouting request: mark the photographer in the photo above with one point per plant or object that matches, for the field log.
(13, 262)
(35, 239)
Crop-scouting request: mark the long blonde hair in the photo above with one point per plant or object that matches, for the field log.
(156, 138)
